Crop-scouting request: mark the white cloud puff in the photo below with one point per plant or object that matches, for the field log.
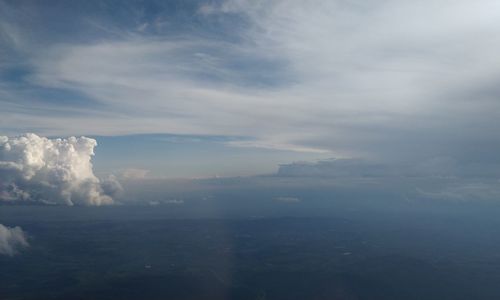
(11, 240)
(57, 171)
(287, 199)
(133, 173)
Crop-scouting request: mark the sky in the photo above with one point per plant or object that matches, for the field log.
(247, 105)
(190, 89)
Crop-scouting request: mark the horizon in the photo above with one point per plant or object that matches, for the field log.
(239, 149)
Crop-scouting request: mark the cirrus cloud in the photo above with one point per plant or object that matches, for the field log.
(361, 79)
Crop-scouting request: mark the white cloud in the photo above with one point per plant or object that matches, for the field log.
(133, 173)
(174, 201)
(287, 199)
(58, 171)
(11, 240)
(166, 202)
(355, 78)
(275, 146)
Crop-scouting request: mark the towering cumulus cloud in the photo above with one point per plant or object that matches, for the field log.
(11, 239)
(57, 171)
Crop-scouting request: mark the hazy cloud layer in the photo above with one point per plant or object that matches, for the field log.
(56, 171)
(438, 178)
(444, 166)
(12, 240)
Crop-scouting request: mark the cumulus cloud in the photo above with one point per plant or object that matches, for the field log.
(56, 171)
(11, 240)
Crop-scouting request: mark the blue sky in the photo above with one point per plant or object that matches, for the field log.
(205, 88)
(181, 156)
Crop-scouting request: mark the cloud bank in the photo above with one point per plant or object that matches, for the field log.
(53, 171)
(438, 178)
(439, 166)
(11, 240)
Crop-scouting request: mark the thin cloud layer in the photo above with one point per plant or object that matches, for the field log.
(12, 239)
(55, 171)
(444, 167)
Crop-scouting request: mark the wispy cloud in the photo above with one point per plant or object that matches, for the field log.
(353, 78)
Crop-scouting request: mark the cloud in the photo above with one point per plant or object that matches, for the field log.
(335, 168)
(463, 191)
(56, 171)
(133, 173)
(167, 202)
(287, 199)
(11, 240)
(371, 79)
(434, 167)
(174, 201)
(437, 178)
(274, 146)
